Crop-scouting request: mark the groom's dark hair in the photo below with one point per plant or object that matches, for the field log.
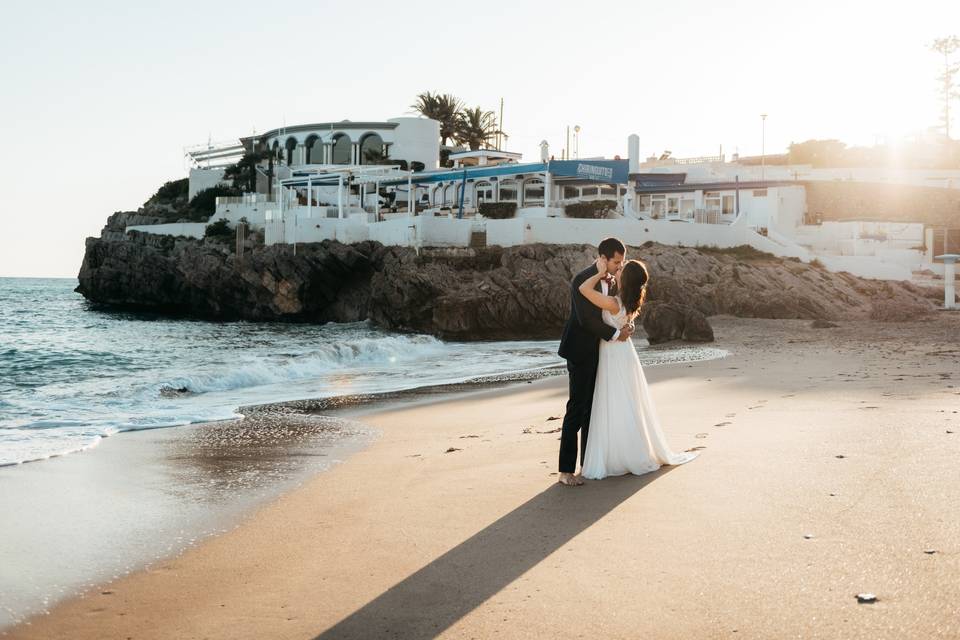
(609, 247)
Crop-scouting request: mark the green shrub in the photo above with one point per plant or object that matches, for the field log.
(498, 210)
(591, 209)
(204, 204)
(172, 191)
(219, 230)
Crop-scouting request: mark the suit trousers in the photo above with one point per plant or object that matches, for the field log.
(583, 377)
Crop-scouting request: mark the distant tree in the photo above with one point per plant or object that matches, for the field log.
(819, 153)
(172, 191)
(475, 127)
(204, 204)
(947, 47)
(243, 173)
(444, 108)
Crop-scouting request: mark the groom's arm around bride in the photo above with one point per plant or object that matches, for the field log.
(580, 347)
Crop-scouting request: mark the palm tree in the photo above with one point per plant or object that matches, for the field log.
(475, 127)
(444, 108)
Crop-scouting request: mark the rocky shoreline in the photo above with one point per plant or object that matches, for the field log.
(463, 293)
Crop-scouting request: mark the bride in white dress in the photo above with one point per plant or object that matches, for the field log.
(624, 435)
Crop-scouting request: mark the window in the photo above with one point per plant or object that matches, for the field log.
(686, 207)
(508, 191)
(342, 150)
(712, 201)
(449, 195)
(571, 192)
(608, 191)
(659, 205)
(589, 191)
(484, 192)
(728, 203)
(673, 206)
(533, 193)
(644, 203)
(759, 193)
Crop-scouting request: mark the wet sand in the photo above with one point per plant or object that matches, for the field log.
(828, 469)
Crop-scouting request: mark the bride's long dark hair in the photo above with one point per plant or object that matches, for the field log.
(633, 286)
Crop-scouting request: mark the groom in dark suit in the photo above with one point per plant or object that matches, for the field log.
(580, 347)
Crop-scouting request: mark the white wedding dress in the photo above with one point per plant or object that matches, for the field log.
(624, 435)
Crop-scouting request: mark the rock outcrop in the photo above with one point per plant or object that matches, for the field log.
(468, 293)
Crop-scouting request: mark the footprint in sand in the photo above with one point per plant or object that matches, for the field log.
(722, 424)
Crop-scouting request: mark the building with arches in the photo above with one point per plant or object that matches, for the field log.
(407, 139)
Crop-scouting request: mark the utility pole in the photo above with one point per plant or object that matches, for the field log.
(763, 146)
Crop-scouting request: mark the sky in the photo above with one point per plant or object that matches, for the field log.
(99, 99)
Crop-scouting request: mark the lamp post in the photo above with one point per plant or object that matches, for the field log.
(576, 141)
(763, 145)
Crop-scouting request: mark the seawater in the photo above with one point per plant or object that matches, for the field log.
(72, 373)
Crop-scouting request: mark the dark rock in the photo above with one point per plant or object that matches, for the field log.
(461, 293)
(665, 321)
(823, 324)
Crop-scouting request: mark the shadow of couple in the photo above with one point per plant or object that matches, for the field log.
(429, 601)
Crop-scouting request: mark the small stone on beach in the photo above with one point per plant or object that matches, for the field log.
(452, 449)
(553, 418)
(840, 456)
(808, 536)
(929, 552)
(866, 598)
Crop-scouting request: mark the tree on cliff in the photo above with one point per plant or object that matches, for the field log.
(475, 127)
(444, 108)
(243, 173)
(947, 47)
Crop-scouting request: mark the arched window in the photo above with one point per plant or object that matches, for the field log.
(438, 195)
(533, 193)
(341, 149)
(371, 149)
(484, 193)
(291, 147)
(508, 191)
(450, 195)
(314, 150)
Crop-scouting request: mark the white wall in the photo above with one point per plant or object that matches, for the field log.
(422, 231)
(416, 139)
(188, 229)
(297, 226)
(201, 179)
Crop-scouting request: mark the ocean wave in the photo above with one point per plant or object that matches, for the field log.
(373, 351)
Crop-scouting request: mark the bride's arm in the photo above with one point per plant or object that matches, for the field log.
(597, 299)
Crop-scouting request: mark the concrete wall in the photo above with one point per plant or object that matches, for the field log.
(422, 231)
(416, 139)
(863, 201)
(188, 229)
(201, 179)
(297, 226)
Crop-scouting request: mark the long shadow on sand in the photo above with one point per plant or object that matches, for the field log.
(435, 597)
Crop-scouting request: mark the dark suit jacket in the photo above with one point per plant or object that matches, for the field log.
(585, 327)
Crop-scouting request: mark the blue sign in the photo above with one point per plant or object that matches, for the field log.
(606, 171)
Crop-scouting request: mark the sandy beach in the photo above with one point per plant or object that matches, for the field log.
(828, 468)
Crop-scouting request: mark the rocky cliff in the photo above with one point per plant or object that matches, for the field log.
(484, 293)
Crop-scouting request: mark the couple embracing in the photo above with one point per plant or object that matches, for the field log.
(610, 404)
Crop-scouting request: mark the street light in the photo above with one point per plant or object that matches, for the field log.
(763, 145)
(576, 141)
